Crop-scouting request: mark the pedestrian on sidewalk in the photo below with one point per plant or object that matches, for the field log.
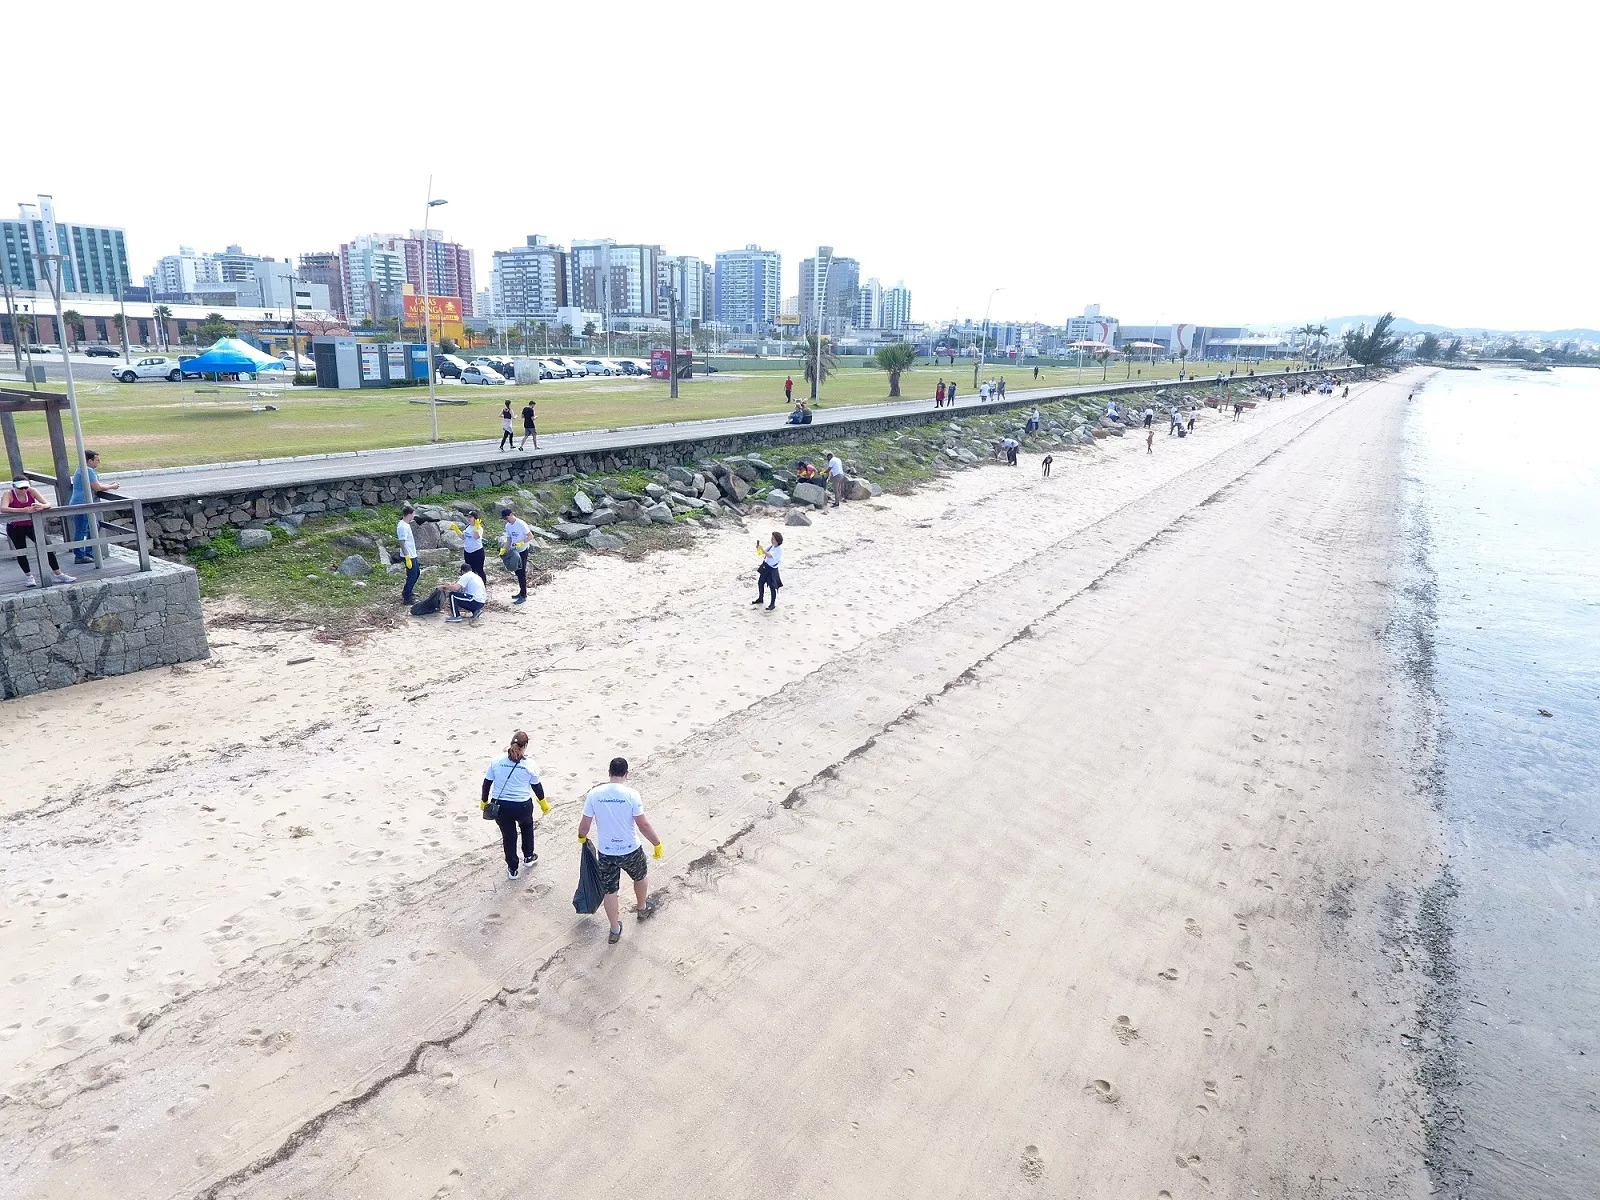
(514, 543)
(528, 431)
(507, 433)
(835, 477)
(406, 535)
(512, 784)
(24, 498)
(467, 595)
(950, 392)
(84, 491)
(1002, 386)
(767, 573)
(616, 814)
(938, 395)
(472, 547)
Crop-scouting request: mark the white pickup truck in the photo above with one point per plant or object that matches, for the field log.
(155, 366)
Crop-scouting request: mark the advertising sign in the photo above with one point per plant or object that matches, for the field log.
(658, 365)
(441, 309)
(370, 369)
(397, 359)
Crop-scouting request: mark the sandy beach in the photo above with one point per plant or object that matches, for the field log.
(1053, 838)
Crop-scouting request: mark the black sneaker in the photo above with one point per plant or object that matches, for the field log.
(519, 599)
(511, 872)
(530, 860)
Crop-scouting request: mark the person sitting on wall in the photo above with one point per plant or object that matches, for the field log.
(798, 415)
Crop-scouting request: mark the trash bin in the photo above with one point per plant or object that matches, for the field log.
(33, 374)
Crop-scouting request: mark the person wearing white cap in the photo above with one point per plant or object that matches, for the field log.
(21, 499)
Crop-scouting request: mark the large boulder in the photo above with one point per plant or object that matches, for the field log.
(796, 517)
(654, 490)
(438, 556)
(427, 535)
(738, 486)
(604, 516)
(448, 537)
(599, 540)
(354, 567)
(744, 471)
(857, 489)
(710, 491)
(581, 502)
(465, 507)
(777, 497)
(432, 512)
(676, 474)
(809, 493)
(567, 531)
(356, 541)
(657, 512)
(254, 539)
(759, 464)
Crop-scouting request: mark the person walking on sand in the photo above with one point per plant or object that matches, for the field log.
(1193, 412)
(788, 390)
(835, 477)
(767, 573)
(1149, 417)
(23, 498)
(406, 535)
(1149, 440)
(1049, 459)
(616, 814)
(512, 784)
(507, 433)
(528, 431)
(514, 541)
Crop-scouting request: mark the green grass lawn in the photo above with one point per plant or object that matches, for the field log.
(159, 424)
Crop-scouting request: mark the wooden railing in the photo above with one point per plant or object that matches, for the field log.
(102, 534)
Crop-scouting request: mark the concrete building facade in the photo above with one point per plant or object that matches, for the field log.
(897, 307)
(747, 292)
(834, 282)
(95, 257)
(529, 283)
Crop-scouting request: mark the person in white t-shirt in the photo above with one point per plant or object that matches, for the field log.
(467, 595)
(407, 537)
(516, 536)
(767, 573)
(836, 477)
(616, 814)
(512, 782)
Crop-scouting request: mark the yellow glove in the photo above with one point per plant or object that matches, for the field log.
(659, 848)
(544, 805)
(582, 839)
(408, 562)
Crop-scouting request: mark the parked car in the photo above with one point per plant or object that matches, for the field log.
(449, 366)
(102, 352)
(572, 366)
(557, 368)
(598, 366)
(633, 366)
(35, 348)
(155, 366)
(476, 374)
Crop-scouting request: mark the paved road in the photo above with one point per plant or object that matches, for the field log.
(211, 479)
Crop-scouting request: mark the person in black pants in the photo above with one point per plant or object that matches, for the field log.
(508, 437)
(513, 783)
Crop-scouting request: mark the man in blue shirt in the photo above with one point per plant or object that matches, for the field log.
(83, 492)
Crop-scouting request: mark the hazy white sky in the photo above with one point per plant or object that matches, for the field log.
(1203, 163)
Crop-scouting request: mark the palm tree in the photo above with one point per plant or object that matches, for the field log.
(895, 358)
(820, 361)
(1103, 357)
(162, 314)
(73, 320)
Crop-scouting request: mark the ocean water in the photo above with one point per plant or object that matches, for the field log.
(1503, 483)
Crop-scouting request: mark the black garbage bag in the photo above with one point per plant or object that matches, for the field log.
(589, 896)
(429, 604)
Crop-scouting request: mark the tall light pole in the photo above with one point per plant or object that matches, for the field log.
(427, 314)
(983, 340)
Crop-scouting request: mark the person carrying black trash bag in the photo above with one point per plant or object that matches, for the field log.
(616, 814)
(510, 786)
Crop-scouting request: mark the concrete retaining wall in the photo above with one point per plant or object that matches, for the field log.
(55, 636)
(178, 525)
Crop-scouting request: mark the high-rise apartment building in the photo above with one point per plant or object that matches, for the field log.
(836, 283)
(183, 273)
(529, 282)
(323, 267)
(615, 280)
(94, 257)
(748, 289)
(372, 274)
(693, 279)
(897, 307)
(450, 270)
(869, 305)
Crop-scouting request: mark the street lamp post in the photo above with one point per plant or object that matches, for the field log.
(983, 340)
(427, 314)
(57, 281)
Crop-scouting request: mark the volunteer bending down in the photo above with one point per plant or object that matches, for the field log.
(616, 813)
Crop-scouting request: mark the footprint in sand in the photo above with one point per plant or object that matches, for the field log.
(1123, 1028)
(1101, 1090)
(1192, 928)
(1169, 974)
(1032, 1164)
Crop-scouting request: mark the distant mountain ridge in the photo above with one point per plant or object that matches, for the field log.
(1403, 325)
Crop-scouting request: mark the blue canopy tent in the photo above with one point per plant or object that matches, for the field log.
(231, 356)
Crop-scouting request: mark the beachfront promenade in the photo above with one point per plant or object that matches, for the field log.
(180, 483)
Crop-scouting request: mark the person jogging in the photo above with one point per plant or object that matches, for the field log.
(508, 435)
(528, 431)
(512, 784)
(514, 541)
(616, 814)
(767, 573)
(406, 535)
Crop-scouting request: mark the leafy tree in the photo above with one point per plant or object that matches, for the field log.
(895, 358)
(1452, 351)
(216, 326)
(820, 361)
(1428, 348)
(1103, 357)
(1376, 348)
(590, 329)
(73, 319)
